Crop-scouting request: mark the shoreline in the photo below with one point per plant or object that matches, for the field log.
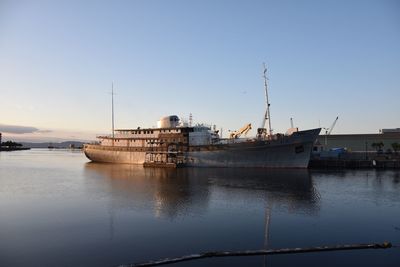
(14, 148)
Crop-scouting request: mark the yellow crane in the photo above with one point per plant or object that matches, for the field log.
(244, 130)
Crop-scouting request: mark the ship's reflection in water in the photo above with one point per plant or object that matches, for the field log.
(168, 192)
(172, 193)
(216, 208)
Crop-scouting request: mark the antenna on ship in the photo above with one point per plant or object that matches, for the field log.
(112, 111)
(190, 120)
(267, 113)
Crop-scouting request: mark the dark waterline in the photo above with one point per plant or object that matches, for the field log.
(57, 209)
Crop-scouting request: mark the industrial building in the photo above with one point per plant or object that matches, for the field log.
(358, 142)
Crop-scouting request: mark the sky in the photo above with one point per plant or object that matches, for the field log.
(325, 59)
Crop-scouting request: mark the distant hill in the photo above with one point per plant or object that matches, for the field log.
(65, 144)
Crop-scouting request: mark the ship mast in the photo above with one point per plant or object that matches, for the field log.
(267, 113)
(112, 111)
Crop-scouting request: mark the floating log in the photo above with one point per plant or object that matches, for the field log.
(259, 252)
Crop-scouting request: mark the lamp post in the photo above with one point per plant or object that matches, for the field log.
(366, 150)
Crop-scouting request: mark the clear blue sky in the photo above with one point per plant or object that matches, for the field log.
(325, 59)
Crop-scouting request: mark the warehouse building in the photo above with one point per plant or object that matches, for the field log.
(359, 142)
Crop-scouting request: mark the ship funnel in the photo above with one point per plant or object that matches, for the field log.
(168, 122)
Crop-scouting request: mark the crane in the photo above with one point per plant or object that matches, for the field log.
(244, 130)
(330, 129)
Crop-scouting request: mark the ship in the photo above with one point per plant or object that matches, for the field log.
(175, 143)
(200, 146)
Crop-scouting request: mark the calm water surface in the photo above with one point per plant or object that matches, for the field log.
(57, 209)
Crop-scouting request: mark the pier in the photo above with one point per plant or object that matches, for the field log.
(355, 160)
(354, 164)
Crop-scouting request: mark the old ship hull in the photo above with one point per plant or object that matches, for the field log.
(287, 152)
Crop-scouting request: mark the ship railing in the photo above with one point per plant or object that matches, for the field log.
(155, 150)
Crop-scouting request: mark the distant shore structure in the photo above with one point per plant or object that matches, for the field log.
(11, 146)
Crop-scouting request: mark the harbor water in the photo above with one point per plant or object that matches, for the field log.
(59, 209)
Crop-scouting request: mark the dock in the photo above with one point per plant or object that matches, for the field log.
(353, 164)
